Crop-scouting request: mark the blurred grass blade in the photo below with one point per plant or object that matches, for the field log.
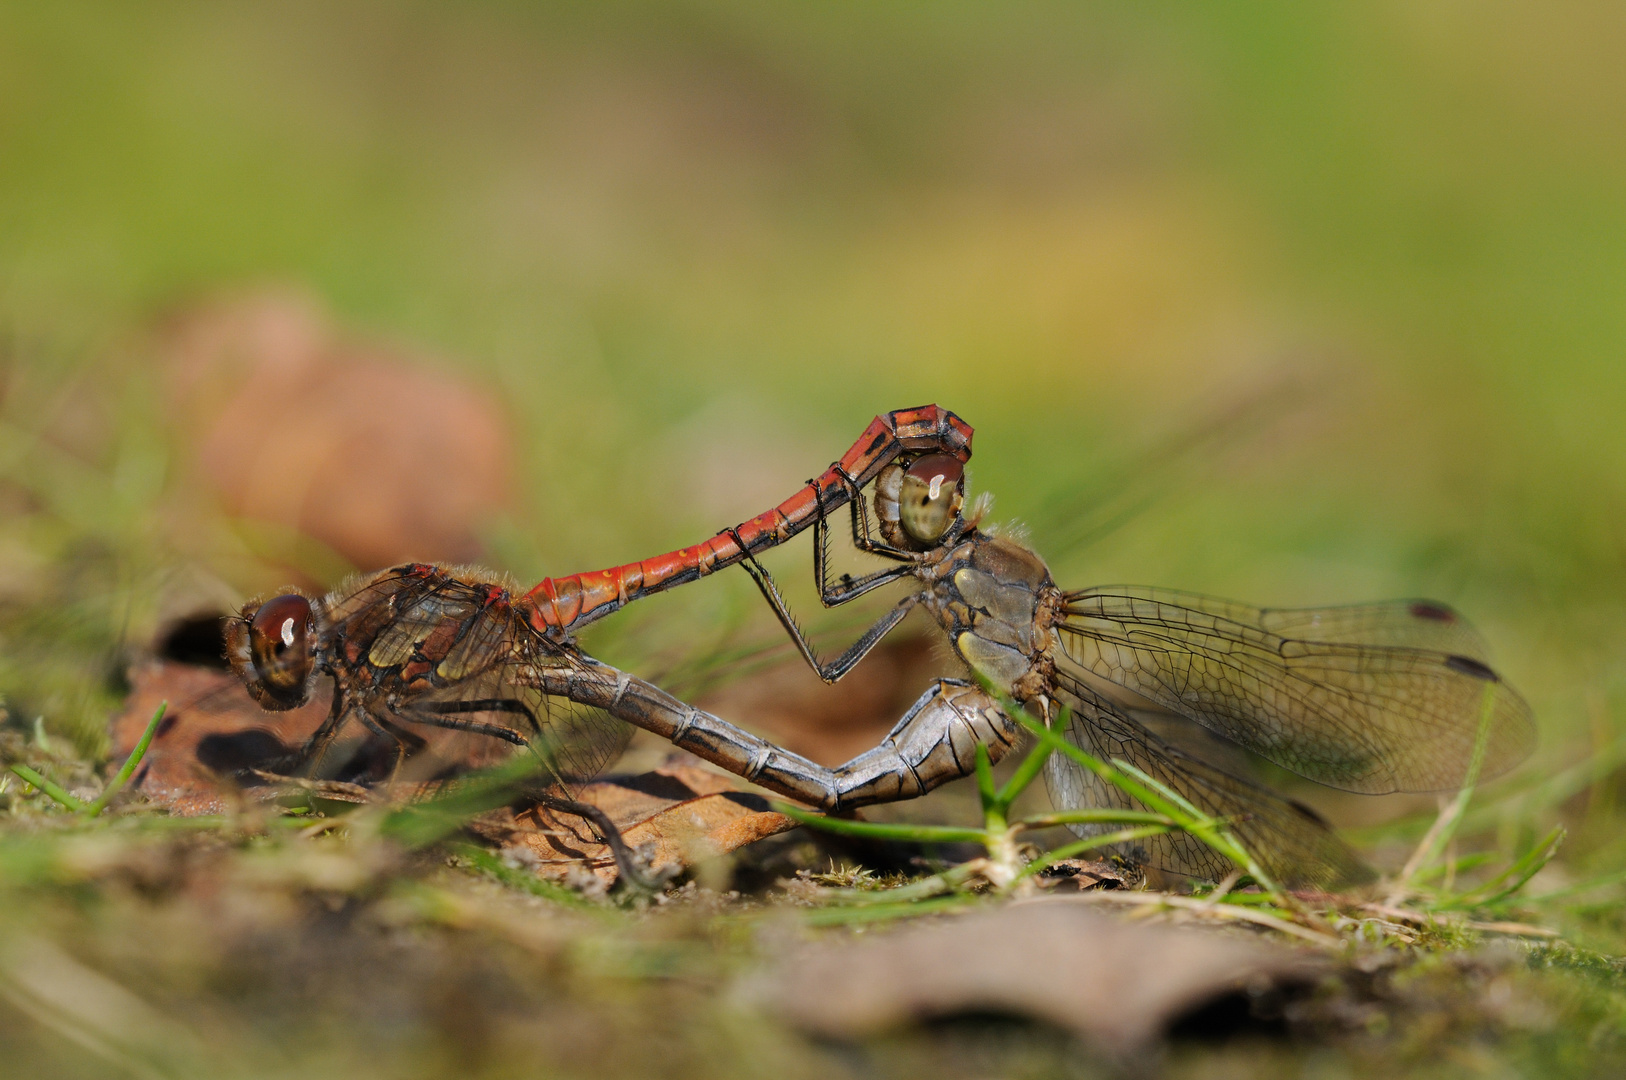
(1515, 876)
(421, 824)
(1450, 817)
(53, 791)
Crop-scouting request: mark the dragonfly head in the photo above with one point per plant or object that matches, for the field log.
(918, 504)
(272, 647)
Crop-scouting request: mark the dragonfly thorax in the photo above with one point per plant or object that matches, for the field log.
(996, 601)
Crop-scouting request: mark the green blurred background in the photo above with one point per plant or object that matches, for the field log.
(693, 247)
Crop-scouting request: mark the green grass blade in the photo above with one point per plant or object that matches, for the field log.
(879, 830)
(53, 791)
(1067, 851)
(1094, 816)
(1159, 786)
(1515, 876)
(1599, 881)
(1202, 827)
(1445, 825)
(985, 779)
(132, 763)
(1024, 775)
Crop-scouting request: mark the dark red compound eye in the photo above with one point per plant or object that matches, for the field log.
(279, 637)
(936, 471)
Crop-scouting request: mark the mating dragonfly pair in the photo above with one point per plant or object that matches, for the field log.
(1371, 698)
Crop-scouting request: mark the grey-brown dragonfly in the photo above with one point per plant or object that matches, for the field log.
(1370, 698)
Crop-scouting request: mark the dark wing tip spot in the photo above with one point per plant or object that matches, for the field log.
(1469, 666)
(1306, 811)
(1423, 609)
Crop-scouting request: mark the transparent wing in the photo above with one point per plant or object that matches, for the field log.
(1291, 843)
(426, 619)
(576, 741)
(491, 674)
(1372, 698)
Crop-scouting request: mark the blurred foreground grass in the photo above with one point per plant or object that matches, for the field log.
(695, 246)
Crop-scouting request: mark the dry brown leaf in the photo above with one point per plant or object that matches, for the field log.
(1116, 983)
(214, 730)
(683, 813)
(377, 456)
(210, 729)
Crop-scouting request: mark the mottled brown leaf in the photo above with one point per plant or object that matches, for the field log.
(213, 732)
(683, 813)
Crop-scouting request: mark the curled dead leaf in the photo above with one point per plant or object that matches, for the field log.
(678, 814)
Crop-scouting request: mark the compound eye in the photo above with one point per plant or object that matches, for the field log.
(930, 497)
(279, 638)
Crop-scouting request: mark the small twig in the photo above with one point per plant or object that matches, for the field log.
(1202, 907)
(1427, 919)
(1512, 929)
(337, 790)
(1223, 888)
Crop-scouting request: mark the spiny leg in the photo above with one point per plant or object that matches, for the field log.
(403, 741)
(308, 757)
(852, 588)
(627, 861)
(441, 714)
(863, 538)
(844, 663)
(454, 723)
(477, 705)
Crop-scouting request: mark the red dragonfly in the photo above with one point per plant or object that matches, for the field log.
(421, 645)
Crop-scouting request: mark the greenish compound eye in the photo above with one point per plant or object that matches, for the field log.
(930, 497)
